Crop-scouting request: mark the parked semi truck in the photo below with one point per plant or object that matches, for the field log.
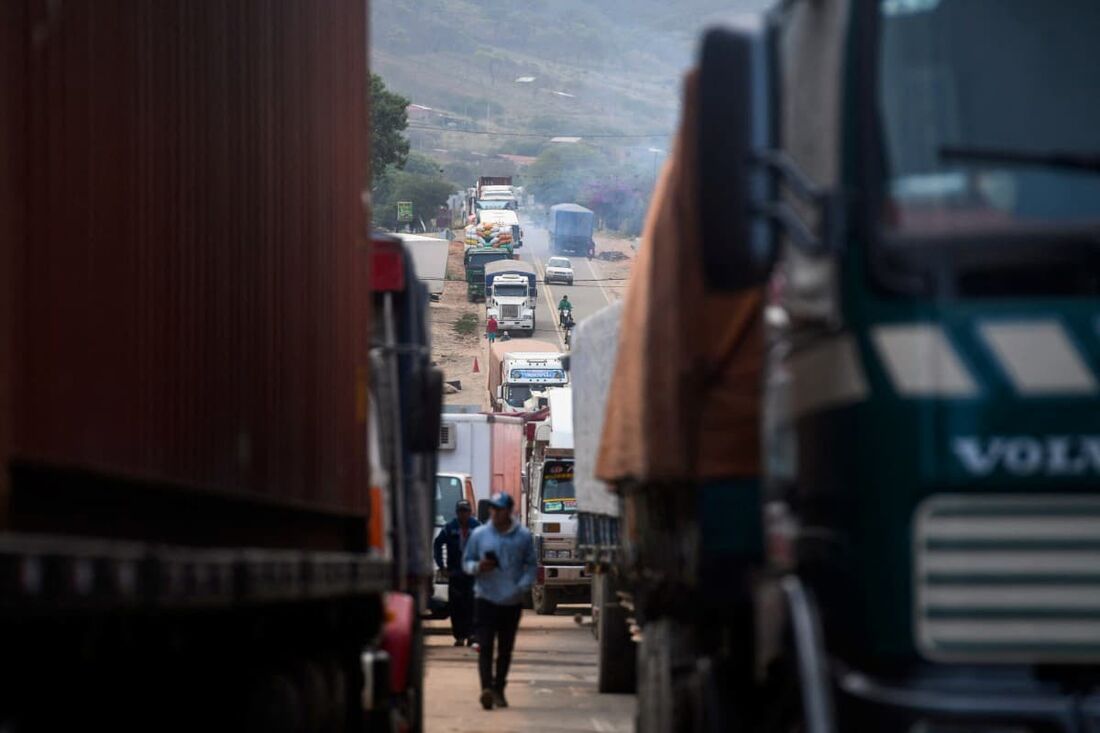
(217, 411)
(479, 455)
(571, 227)
(485, 446)
(551, 506)
(929, 493)
(503, 217)
(591, 366)
(474, 260)
(516, 371)
(511, 295)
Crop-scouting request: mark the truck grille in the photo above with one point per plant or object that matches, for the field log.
(1008, 578)
(509, 311)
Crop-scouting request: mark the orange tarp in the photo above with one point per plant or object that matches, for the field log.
(686, 391)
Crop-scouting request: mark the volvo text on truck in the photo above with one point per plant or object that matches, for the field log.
(217, 411)
(930, 492)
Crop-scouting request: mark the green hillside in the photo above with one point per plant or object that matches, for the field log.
(600, 68)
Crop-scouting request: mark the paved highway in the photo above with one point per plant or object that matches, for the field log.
(551, 686)
(588, 294)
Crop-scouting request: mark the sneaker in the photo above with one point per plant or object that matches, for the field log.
(458, 642)
(476, 647)
(471, 642)
(498, 699)
(487, 699)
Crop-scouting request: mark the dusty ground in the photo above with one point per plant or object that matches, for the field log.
(614, 261)
(551, 686)
(455, 352)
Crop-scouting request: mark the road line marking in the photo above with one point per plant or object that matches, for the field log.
(598, 275)
(548, 295)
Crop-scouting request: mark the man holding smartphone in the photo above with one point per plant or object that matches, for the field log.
(501, 556)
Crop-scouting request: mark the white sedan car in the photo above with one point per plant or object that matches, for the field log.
(560, 270)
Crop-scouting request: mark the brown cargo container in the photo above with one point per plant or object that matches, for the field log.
(183, 292)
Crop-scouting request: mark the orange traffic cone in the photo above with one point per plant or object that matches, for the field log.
(476, 368)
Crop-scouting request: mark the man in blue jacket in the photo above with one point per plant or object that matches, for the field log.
(501, 556)
(455, 535)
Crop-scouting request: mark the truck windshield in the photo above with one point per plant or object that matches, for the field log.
(448, 491)
(480, 260)
(517, 395)
(493, 204)
(510, 291)
(990, 130)
(558, 494)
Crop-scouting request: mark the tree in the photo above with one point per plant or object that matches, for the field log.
(422, 164)
(561, 172)
(426, 192)
(389, 119)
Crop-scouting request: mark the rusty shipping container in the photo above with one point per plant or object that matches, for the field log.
(183, 291)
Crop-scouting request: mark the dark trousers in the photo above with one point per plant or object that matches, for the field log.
(496, 623)
(460, 592)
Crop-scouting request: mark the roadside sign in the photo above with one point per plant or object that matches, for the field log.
(404, 210)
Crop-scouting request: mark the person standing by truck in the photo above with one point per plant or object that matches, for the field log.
(491, 328)
(460, 587)
(501, 556)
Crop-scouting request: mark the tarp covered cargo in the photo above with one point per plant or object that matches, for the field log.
(591, 363)
(571, 221)
(512, 267)
(498, 351)
(686, 388)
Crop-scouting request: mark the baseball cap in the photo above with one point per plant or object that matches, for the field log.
(463, 504)
(501, 501)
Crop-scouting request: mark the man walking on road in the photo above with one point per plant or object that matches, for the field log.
(501, 556)
(455, 535)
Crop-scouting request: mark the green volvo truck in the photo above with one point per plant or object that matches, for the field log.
(917, 182)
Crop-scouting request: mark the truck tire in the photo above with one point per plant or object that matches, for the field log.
(616, 654)
(544, 600)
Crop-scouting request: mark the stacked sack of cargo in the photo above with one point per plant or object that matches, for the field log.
(472, 240)
(488, 234)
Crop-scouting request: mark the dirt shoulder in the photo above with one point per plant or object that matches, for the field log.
(458, 337)
(614, 262)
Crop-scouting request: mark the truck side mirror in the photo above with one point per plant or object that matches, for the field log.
(733, 125)
(500, 392)
(483, 511)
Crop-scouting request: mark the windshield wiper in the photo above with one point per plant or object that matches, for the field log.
(1048, 159)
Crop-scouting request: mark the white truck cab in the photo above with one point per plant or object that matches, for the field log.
(552, 508)
(528, 374)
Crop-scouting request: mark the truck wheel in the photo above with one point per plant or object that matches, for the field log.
(615, 658)
(543, 600)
